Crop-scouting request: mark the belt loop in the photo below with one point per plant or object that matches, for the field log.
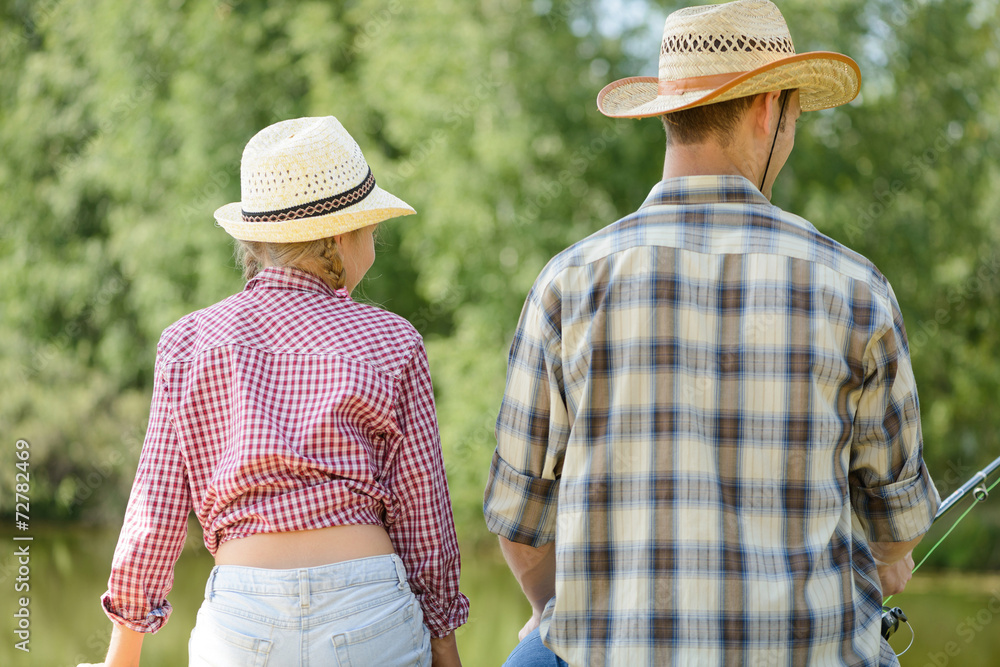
(304, 589)
(400, 572)
(210, 584)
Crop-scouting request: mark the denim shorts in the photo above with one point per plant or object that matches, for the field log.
(359, 612)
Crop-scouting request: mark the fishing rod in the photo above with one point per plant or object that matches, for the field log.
(891, 616)
(979, 492)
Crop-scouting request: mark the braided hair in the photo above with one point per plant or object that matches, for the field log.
(321, 257)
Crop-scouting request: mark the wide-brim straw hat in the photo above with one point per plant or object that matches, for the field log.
(303, 180)
(715, 53)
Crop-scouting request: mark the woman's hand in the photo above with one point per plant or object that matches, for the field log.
(444, 652)
(124, 649)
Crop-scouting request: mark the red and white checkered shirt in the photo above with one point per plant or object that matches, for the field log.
(288, 407)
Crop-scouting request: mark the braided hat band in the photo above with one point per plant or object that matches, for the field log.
(715, 53)
(302, 180)
(320, 207)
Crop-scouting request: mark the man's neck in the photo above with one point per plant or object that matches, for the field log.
(708, 158)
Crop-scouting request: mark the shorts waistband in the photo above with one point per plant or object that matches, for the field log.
(309, 580)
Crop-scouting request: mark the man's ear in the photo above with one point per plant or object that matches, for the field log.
(765, 115)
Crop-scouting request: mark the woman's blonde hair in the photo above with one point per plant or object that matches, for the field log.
(321, 258)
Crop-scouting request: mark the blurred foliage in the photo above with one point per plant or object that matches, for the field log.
(121, 127)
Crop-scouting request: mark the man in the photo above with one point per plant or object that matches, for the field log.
(709, 448)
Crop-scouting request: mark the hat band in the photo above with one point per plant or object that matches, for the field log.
(696, 83)
(318, 207)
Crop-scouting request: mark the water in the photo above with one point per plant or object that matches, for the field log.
(956, 617)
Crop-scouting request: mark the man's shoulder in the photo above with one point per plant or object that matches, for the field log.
(827, 251)
(580, 252)
(600, 244)
(710, 216)
(768, 229)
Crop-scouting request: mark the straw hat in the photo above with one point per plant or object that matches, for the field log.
(302, 180)
(720, 52)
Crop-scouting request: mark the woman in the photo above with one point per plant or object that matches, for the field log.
(299, 426)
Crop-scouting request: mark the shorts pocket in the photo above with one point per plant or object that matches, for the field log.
(395, 636)
(214, 644)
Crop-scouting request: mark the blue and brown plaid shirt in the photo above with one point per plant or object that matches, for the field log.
(710, 408)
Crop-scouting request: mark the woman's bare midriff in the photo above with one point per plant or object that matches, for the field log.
(305, 548)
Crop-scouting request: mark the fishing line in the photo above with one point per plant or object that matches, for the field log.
(913, 636)
(977, 499)
(891, 616)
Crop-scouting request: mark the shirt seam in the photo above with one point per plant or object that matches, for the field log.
(381, 370)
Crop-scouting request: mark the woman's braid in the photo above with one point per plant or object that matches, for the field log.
(321, 258)
(336, 276)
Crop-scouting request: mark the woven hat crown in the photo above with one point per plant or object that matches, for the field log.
(715, 53)
(305, 179)
(723, 39)
(296, 163)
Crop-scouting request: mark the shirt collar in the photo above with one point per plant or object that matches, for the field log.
(712, 189)
(286, 277)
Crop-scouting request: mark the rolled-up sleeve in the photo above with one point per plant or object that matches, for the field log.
(424, 533)
(532, 431)
(155, 527)
(891, 489)
(519, 507)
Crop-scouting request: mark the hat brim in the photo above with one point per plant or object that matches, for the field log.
(379, 205)
(824, 80)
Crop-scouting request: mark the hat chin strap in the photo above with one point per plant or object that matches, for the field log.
(781, 115)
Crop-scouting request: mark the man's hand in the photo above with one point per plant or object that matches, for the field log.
(535, 570)
(530, 626)
(894, 576)
(894, 561)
